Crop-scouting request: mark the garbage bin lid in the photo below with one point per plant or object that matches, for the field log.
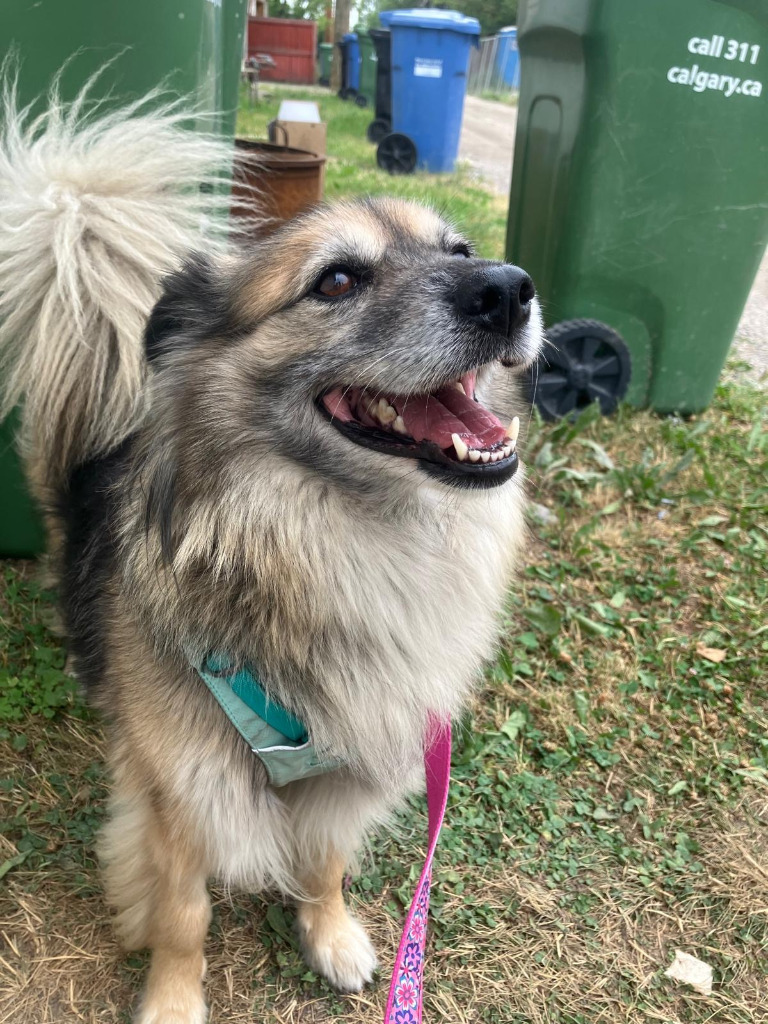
(451, 21)
(349, 36)
(509, 30)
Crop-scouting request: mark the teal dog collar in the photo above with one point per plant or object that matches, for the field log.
(278, 739)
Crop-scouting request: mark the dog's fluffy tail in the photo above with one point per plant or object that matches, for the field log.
(94, 209)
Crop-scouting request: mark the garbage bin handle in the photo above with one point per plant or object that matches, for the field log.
(272, 128)
(572, 70)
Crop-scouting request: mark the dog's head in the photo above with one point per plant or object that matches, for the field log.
(362, 340)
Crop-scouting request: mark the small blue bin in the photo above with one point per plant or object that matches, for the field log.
(508, 57)
(352, 57)
(430, 57)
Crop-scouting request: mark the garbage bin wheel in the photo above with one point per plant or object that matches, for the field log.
(377, 130)
(361, 101)
(586, 361)
(396, 153)
(343, 93)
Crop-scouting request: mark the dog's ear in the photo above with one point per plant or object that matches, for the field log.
(195, 306)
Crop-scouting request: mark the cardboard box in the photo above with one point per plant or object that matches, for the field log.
(298, 125)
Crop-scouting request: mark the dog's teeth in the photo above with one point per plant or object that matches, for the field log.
(372, 407)
(507, 449)
(514, 428)
(459, 386)
(485, 456)
(461, 448)
(474, 455)
(386, 413)
(496, 456)
(398, 424)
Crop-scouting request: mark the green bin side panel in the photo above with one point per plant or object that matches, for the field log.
(638, 198)
(368, 68)
(231, 61)
(326, 57)
(21, 528)
(192, 48)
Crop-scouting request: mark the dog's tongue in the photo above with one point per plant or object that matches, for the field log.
(450, 411)
(427, 417)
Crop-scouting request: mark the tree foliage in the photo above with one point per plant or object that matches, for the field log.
(492, 14)
(313, 10)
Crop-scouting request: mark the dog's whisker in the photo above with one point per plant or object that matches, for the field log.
(349, 387)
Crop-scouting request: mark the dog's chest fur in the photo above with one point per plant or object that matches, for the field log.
(417, 601)
(361, 623)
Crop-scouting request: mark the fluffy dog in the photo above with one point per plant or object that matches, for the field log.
(294, 453)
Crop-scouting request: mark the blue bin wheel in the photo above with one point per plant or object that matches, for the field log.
(361, 101)
(585, 361)
(397, 154)
(378, 129)
(343, 93)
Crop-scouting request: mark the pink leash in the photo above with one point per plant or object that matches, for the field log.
(404, 1005)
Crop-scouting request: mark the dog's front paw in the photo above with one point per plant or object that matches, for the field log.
(339, 949)
(172, 1011)
(172, 997)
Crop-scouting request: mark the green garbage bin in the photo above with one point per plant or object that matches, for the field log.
(325, 57)
(639, 196)
(191, 47)
(366, 92)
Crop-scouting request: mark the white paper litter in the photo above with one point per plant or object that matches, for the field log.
(690, 971)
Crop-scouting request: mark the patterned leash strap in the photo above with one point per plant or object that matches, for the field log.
(404, 1005)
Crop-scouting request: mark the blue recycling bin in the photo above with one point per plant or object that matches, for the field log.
(352, 59)
(508, 57)
(430, 57)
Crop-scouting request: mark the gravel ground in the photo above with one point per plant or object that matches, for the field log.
(751, 342)
(487, 143)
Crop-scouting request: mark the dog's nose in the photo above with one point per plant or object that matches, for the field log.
(497, 298)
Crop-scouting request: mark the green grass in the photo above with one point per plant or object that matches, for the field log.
(509, 98)
(610, 791)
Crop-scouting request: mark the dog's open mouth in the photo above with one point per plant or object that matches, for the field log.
(449, 430)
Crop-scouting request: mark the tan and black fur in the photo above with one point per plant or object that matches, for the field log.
(213, 507)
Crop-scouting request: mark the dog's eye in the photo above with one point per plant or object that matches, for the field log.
(337, 282)
(461, 250)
